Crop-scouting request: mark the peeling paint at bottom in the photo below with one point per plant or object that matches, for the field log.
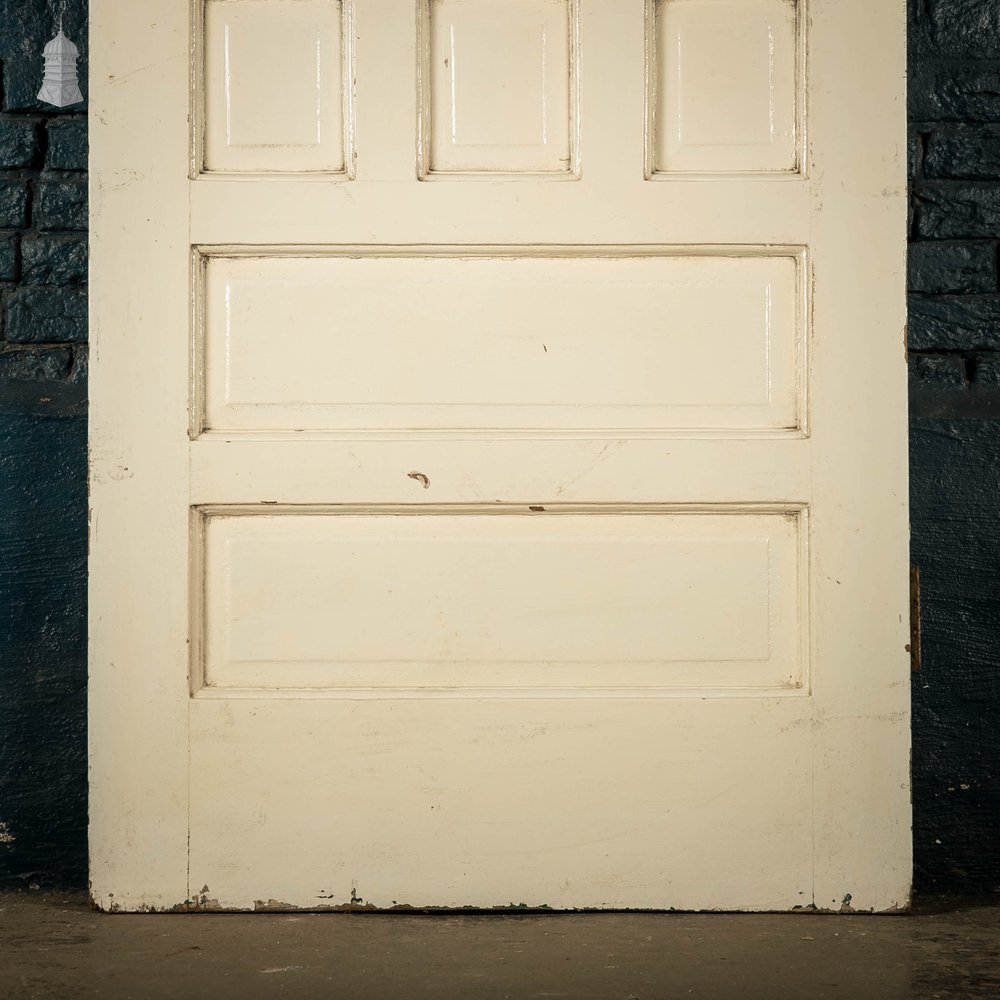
(204, 903)
(509, 909)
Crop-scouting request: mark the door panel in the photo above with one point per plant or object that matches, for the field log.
(275, 85)
(470, 597)
(457, 341)
(498, 85)
(726, 81)
(498, 455)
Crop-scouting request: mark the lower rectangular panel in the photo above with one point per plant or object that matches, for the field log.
(564, 803)
(467, 598)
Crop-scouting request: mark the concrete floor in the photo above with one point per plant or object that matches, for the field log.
(53, 946)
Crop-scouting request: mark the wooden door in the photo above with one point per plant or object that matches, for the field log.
(498, 454)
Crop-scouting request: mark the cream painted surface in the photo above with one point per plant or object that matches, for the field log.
(274, 91)
(500, 788)
(522, 341)
(725, 81)
(500, 79)
(454, 597)
(503, 541)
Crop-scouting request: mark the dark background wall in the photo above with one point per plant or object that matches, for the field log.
(43, 460)
(954, 339)
(954, 335)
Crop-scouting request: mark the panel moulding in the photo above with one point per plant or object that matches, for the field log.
(330, 151)
(452, 140)
(783, 155)
(383, 414)
(788, 575)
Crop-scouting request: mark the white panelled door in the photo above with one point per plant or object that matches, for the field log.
(498, 455)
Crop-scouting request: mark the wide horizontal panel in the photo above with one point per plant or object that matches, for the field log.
(726, 85)
(672, 815)
(475, 597)
(610, 209)
(449, 468)
(498, 85)
(273, 85)
(502, 339)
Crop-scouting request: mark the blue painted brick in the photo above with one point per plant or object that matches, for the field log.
(959, 92)
(20, 143)
(988, 369)
(47, 315)
(22, 76)
(8, 256)
(13, 205)
(37, 364)
(60, 205)
(958, 210)
(67, 144)
(944, 371)
(29, 24)
(43, 647)
(914, 154)
(81, 364)
(952, 267)
(964, 153)
(956, 28)
(954, 322)
(955, 481)
(54, 260)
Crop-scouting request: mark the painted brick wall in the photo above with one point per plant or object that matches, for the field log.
(955, 449)
(954, 339)
(43, 447)
(43, 208)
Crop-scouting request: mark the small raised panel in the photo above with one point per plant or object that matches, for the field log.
(463, 340)
(498, 85)
(273, 78)
(491, 598)
(725, 86)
